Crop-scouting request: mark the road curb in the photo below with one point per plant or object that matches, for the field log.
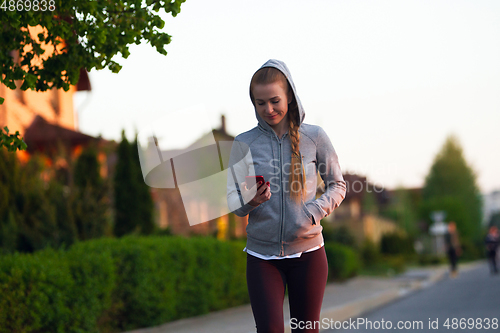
(363, 305)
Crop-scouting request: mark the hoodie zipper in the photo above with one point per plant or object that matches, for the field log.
(282, 223)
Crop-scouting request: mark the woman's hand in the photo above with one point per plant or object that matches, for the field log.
(262, 194)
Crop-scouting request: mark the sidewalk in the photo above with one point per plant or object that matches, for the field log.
(341, 301)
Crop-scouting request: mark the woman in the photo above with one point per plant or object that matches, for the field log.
(284, 240)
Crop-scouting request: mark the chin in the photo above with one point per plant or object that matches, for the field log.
(273, 122)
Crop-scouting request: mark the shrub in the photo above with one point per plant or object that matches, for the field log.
(471, 250)
(34, 292)
(343, 262)
(370, 253)
(431, 259)
(340, 235)
(397, 263)
(109, 285)
(395, 243)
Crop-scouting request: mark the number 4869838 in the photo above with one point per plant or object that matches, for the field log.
(27, 5)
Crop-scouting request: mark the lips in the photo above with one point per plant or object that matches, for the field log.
(272, 117)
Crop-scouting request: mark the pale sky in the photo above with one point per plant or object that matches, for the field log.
(387, 80)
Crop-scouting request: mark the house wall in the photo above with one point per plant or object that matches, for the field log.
(20, 107)
(375, 227)
(369, 226)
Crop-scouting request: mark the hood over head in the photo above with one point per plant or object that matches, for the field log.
(281, 66)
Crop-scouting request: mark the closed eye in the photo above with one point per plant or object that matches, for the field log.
(274, 102)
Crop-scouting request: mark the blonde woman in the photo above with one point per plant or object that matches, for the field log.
(284, 236)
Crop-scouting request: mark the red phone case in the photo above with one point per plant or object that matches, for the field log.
(252, 180)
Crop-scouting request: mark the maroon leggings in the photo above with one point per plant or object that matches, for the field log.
(306, 280)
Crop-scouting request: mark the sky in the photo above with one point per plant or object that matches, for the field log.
(387, 80)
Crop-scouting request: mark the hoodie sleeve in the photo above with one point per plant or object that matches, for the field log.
(239, 161)
(329, 170)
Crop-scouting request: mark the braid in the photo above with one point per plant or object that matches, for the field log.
(294, 138)
(297, 175)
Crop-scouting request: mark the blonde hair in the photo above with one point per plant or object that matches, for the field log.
(297, 175)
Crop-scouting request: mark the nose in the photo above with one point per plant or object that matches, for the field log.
(268, 108)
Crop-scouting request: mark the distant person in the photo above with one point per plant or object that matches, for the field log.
(453, 249)
(492, 241)
(285, 246)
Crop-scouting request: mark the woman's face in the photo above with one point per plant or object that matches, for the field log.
(271, 102)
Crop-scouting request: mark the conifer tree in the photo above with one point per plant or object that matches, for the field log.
(28, 219)
(125, 190)
(8, 214)
(451, 186)
(144, 201)
(91, 207)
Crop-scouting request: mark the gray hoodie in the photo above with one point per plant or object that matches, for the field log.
(281, 226)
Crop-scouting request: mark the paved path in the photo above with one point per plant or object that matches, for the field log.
(473, 299)
(341, 301)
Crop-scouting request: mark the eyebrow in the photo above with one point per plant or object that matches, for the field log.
(258, 99)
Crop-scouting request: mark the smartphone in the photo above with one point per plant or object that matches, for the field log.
(252, 180)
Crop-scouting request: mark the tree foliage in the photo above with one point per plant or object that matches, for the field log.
(144, 199)
(11, 141)
(84, 34)
(124, 190)
(403, 209)
(91, 203)
(28, 217)
(41, 207)
(451, 186)
(133, 203)
(91, 33)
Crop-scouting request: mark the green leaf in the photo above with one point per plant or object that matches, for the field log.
(97, 32)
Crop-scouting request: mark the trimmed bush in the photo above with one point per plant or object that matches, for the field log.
(110, 285)
(34, 292)
(370, 253)
(340, 235)
(397, 263)
(343, 262)
(431, 259)
(394, 243)
(472, 250)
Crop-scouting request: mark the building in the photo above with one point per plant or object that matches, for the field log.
(491, 205)
(172, 210)
(359, 212)
(47, 120)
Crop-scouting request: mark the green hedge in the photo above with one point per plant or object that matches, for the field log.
(343, 261)
(112, 285)
(396, 244)
(109, 285)
(425, 259)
